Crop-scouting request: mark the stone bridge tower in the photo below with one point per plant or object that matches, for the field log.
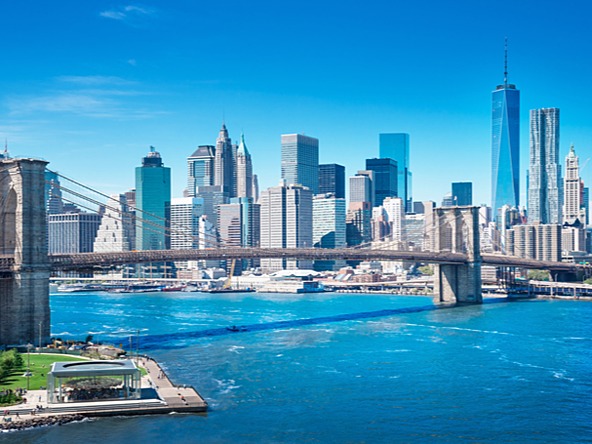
(24, 293)
(456, 229)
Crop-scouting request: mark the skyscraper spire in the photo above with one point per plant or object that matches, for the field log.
(506, 61)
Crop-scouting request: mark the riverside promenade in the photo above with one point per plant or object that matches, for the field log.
(159, 396)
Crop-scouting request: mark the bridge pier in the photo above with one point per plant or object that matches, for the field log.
(24, 293)
(457, 230)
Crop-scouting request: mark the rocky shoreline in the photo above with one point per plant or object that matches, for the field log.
(39, 421)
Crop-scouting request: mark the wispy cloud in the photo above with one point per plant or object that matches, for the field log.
(95, 80)
(88, 96)
(130, 14)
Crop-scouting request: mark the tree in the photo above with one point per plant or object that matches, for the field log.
(538, 275)
(426, 270)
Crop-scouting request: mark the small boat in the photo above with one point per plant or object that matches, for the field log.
(174, 288)
(235, 329)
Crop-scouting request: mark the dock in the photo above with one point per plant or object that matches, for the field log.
(159, 396)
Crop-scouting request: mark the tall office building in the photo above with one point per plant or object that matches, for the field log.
(573, 191)
(300, 161)
(244, 170)
(153, 203)
(200, 169)
(385, 178)
(332, 180)
(224, 163)
(505, 144)
(544, 175)
(286, 222)
(396, 146)
(462, 193)
(73, 232)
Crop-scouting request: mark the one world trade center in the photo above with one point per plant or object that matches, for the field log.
(505, 144)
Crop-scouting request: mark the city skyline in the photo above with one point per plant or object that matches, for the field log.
(111, 80)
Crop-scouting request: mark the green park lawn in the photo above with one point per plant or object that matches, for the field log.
(40, 364)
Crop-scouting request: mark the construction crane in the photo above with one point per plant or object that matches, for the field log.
(228, 284)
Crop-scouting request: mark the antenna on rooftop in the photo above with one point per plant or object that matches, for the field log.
(506, 61)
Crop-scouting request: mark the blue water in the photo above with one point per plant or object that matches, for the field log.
(385, 372)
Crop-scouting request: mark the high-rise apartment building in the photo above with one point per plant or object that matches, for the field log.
(244, 170)
(505, 144)
(544, 175)
(300, 161)
(200, 169)
(462, 193)
(286, 222)
(153, 203)
(396, 146)
(332, 180)
(385, 178)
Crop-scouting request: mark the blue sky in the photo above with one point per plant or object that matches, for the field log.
(89, 86)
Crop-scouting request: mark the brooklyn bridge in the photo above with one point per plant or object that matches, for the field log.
(25, 265)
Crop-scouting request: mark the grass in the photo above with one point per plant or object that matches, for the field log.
(39, 367)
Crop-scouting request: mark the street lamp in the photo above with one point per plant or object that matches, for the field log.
(28, 374)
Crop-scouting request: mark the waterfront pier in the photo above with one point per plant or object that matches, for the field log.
(159, 396)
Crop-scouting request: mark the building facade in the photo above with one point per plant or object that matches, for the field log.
(300, 161)
(545, 194)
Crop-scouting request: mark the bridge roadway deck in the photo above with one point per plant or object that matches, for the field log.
(81, 261)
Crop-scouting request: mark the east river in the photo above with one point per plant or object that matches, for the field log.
(501, 372)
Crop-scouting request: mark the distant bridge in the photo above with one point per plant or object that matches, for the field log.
(82, 261)
(86, 261)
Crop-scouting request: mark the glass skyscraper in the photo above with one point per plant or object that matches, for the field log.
(385, 178)
(153, 203)
(505, 145)
(200, 169)
(462, 193)
(300, 161)
(332, 179)
(396, 146)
